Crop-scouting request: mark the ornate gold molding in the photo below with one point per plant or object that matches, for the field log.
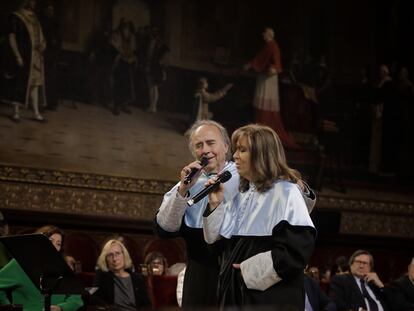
(68, 200)
(82, 180)
(138, 199)
(372, 206)
(376, 225)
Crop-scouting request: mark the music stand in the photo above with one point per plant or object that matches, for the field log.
(43, 264)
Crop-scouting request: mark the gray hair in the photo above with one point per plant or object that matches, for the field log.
(224, 135)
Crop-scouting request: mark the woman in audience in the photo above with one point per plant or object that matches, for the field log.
(117, 284)
(268, 234)
(156, 263)
(14, 280)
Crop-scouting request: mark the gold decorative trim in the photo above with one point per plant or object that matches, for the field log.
(81, 194)
(65, 200)
(376, 225)
(82, 180)
(366, 205)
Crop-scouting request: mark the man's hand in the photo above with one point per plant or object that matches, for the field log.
(55, 308)
(373, 277)
(183, 188)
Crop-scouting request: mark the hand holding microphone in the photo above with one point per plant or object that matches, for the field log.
(190, 173)
(194, 170)
(212, 186)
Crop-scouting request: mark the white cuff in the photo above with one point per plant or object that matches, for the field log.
(171, 212)
(258, 272)
(212, 224)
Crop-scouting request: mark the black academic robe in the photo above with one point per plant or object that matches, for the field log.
(200, 279)
(291, 248)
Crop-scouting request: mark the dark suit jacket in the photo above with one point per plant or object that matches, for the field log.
(346, 294)
(105, 293)
(403, 292)
(317, 298)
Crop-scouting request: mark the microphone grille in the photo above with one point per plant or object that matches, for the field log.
(204, 161)
(225, 176)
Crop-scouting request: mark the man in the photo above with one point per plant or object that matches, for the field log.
(403, 290)
(315, 298)
(206, 139)
(267, 65)
(362, 289)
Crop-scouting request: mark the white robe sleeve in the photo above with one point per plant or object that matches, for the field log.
(171, 212)
(212, 224)
(258, 271)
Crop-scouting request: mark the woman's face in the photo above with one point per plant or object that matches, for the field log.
(115, 258)
(157, 266)
(242, 158)
(56, 240)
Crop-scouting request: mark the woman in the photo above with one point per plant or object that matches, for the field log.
(15, 281)
(269, 234)
(117, 284)
(157, 264)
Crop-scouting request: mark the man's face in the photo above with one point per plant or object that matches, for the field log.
(208, 142)
(361, 266)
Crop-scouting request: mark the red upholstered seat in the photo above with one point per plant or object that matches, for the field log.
(83, 248)
(135, 250)
(162, 290)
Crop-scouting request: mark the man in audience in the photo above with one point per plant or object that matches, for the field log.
(315, 298)
(174, 218)
(403, 291)
(362, 289)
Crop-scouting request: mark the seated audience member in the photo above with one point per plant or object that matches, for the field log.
(315, 298)
(324, 279)
(403, 291)
(313, 272)
(341, 266)
(156, 263)
(22, 291)
(117, 285)
(362, 289)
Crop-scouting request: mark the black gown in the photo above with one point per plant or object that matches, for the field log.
(272, 236)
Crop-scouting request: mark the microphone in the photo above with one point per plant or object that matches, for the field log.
(194, 171)
(225, 176)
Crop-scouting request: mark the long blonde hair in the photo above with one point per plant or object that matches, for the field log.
(268, 160)
(101, 262)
